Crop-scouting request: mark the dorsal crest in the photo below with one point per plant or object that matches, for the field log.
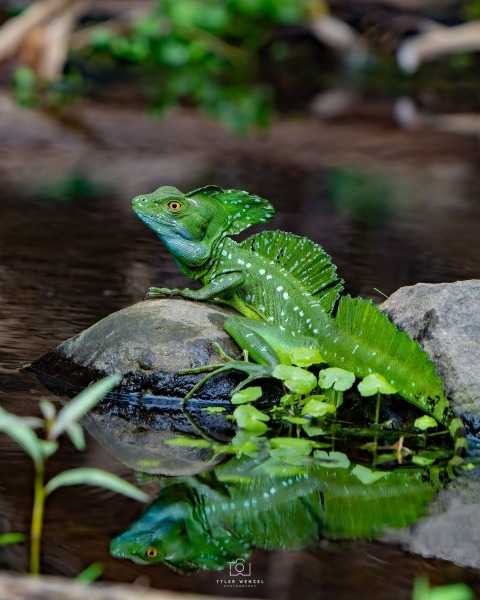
(307, 264)
(243, 209)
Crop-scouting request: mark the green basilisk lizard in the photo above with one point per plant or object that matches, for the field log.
(286, 288)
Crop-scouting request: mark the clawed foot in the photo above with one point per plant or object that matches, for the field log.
(155, 292)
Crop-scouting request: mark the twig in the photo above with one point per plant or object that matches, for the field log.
(15, 30)
(57, 40)
(461, 38)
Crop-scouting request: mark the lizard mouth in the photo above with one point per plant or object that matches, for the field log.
(162, 224)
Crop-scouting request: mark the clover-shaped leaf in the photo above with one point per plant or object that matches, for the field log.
(305, 357)
(374, 383)
(250, 418)
(248, 394)
(297, 380)
(316, 407)
(340, 379)
(425, 422)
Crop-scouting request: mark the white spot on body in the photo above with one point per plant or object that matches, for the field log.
(285, 295)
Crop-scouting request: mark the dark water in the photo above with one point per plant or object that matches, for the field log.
(63, 266)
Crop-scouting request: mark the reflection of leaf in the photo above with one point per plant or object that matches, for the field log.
(249, 394)
(335, 460)
(188, 442)
(317, 408)
(425, 422)
(422, 461)
(305, 357)
(214, 409)
(291, 446)
(249, 417)
(313, 430)
(245, 442)
(373, 383)
(83, 402)
(340, 379)
(295, 420)
(297, 380)
(87, 476)
(367, 476)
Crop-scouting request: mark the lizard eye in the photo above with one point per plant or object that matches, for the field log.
(151, 552)
(174, 205)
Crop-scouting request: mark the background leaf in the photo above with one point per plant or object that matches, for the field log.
(88, 476)
(82, 403)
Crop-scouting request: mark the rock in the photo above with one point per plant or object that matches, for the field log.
(445, 319)
(451, 531)
(149, 343)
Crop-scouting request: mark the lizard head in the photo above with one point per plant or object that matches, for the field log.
(191, 224)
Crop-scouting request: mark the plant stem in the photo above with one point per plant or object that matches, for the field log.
(377, 409)
(37, 519)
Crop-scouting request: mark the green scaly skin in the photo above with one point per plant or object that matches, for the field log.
(286, 288)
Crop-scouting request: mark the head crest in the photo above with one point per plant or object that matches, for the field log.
(243, 209)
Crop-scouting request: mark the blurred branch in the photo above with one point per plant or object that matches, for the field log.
(57, 41)
(334, 33)
(432, 44)
(14, 32)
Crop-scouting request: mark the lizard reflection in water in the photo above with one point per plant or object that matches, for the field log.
(206, 521)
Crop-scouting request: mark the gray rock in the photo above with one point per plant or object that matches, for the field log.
(445, 319)
(149, 343)
(451, 531)
(156, 335)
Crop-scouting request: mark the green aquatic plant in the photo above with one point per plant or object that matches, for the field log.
(54, 424)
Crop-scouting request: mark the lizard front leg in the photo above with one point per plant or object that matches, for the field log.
(222, 286)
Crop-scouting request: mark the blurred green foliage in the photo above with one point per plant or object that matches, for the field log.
(206, 53)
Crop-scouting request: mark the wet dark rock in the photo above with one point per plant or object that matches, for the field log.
(445, 319)
(149, 343)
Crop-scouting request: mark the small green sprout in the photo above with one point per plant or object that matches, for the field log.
(375, 384)
(338, 379)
